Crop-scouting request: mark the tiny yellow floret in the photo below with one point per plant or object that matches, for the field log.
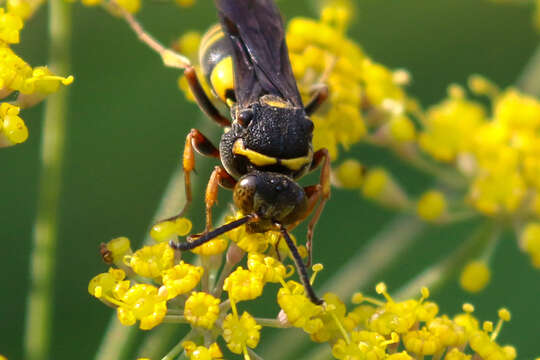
(201, 309)
(431, 205)
(475, 276)
(350, 174)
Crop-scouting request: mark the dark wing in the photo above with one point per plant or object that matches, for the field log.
(261, 59)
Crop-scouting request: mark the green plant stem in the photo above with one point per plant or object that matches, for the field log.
(45, 234)
(437, 275)
(178, 348)
(529, 78)
(274, 323)
(356, 273)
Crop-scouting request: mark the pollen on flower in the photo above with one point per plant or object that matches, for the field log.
(300, 311)
(475, 276)
(181, 279)
(202, 309)
(271, 269)
(150, 261)
(244, 284)
(142, 302)
(195, 352)
(240, 332)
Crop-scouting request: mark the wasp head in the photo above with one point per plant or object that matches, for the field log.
(273, 197)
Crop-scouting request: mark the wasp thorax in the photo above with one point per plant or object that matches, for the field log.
(272, 196)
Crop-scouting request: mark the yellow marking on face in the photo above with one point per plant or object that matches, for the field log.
(222, 77)
(254, 157)
(259, 159)
(296, 164)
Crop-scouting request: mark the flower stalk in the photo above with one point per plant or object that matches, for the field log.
(45, 234)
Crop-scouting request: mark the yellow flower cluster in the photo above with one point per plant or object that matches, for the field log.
(30, 85)
(394, 330)
(322, 54)
(153, 284)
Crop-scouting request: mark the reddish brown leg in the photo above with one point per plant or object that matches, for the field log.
(219, 177)
(194, 140)
(317, 192)
(202, 99)
(317, 100)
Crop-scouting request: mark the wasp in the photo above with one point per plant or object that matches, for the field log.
(267, 146)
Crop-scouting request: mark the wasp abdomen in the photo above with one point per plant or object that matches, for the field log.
(217, 64)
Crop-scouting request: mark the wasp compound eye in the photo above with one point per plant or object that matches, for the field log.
(245, 116)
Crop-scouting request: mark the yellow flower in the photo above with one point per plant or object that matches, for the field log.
(382, 188)
(350, 174)
(475, 276)
(422, 342)
(142, 302)
(448, 332)
(249, 242)
(448, 127)
(131, 6)
(195, 352)
(244, 285)
(104, 285)
(12, 128)
(530, 242)
(212, 247)
(240, 333)
(181, 278)
(43, 81)
(401, 129)
(517, 111)
(201, 310)
(13, 71)
(362, 345)
(10, 26)
(150, 261)
(118, 248)
(431, 205)
(300, 311)
(271, 269)
(333, 319)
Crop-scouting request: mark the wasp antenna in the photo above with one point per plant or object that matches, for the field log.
(212, 234)
(300, 266)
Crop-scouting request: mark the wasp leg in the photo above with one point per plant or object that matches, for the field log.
(300, 267)
(202, 99)
(317, 192)
(213, 234)
(317, 100)
(219, 176)
(194, 140)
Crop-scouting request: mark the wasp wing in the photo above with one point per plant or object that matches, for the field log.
(261, 59)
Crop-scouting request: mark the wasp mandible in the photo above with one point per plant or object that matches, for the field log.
(268, 144)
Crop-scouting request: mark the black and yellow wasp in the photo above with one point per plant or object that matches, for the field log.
(267, 146)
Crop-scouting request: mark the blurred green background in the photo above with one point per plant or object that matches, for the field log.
(126, 129)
